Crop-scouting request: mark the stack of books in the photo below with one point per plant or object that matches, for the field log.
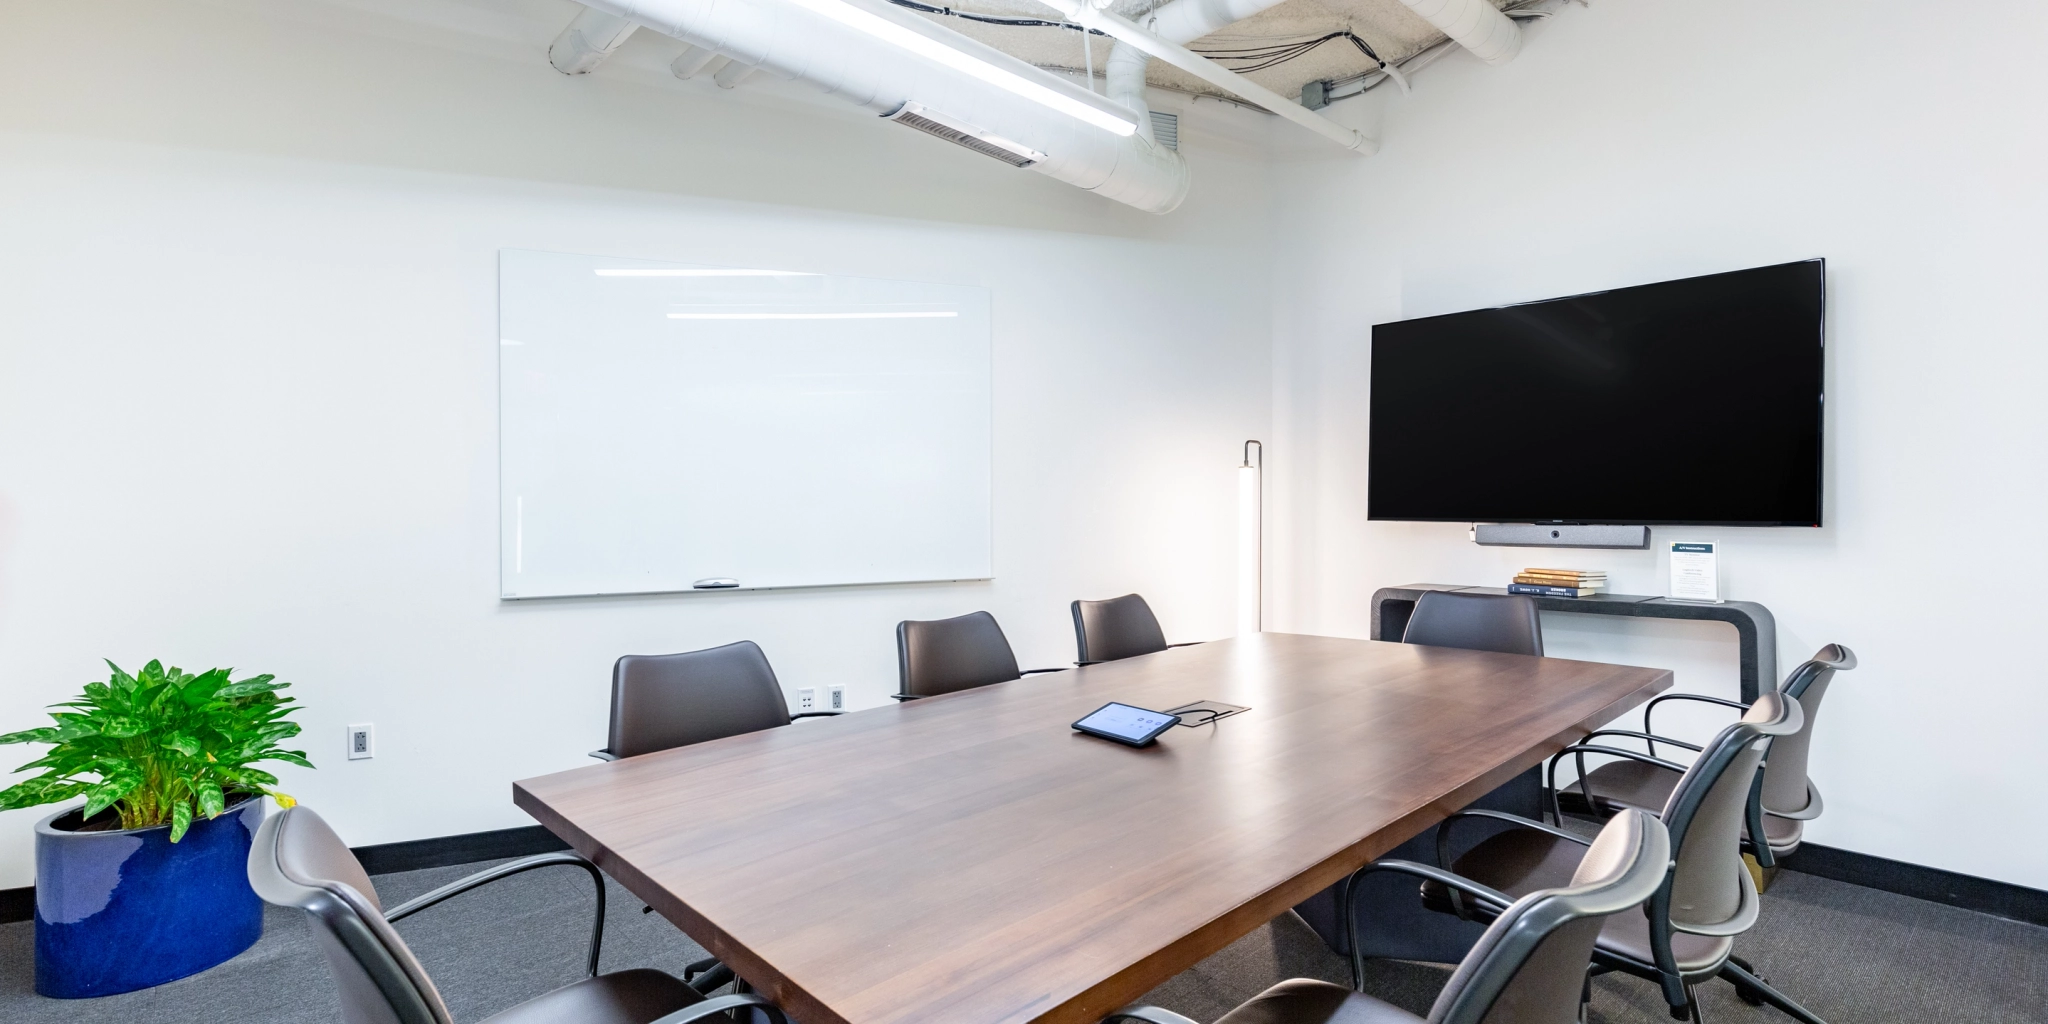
(1558, 583)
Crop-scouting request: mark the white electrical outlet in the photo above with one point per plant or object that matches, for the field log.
(835, 698)
(362, 741)
(807, 699)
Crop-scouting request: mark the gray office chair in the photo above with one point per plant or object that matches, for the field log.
(1528, 968)
(941, 656)
(298, 861)
(1687, 934)
(1784, 798)
(1119, 628)
(673, 700)
(1476, 622)
(1395, 927)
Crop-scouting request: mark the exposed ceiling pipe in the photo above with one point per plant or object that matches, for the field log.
(1180, 21)
(691, 62)
(967, 92)
(1477, 25)
(588, 40)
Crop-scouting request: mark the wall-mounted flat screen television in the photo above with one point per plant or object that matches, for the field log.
(1687, 402)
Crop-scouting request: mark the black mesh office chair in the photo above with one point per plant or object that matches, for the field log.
(298, 861)
(1393, 925)
(1529, 967)
(1687, 933)
(1119, 628)
(1476, 622)
(941, 656)
(1784, 798)
(673, 700)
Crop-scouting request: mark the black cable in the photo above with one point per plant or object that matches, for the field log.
(994, 19)
(1276, 54)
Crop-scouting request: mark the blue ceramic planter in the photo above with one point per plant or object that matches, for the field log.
(119, 911)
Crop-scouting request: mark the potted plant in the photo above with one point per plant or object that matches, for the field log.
(148, 881)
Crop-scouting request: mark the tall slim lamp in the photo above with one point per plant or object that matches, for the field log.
(1250, 551)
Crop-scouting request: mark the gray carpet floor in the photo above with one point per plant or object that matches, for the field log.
(1850, 954)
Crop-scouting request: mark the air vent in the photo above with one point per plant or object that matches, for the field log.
(1166, 128)
(960, 133)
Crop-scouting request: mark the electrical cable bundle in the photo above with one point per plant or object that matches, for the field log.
(1263, 57)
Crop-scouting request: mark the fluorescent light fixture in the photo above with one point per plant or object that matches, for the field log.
(907, 314)
(710, 272)
(961, 61)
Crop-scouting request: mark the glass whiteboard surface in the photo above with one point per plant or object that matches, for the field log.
(666, 423)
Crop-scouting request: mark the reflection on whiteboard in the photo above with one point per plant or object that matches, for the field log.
(663, 424)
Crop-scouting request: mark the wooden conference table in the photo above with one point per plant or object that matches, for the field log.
(969, 859)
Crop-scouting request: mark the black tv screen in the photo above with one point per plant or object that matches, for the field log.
(1687, 402)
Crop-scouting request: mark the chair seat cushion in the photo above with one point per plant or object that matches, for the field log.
(1525, 860)
(627, 997)
(1303, 1001)
(1630, 785)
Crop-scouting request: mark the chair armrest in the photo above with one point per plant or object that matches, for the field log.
(814, 714)
(1151, 1014)
(1647, 737)
(1347, 899)
(1579, 752)
(1702, 698)
(907, 696)
(507, 870)
(604, 755)
(713, 1007)
(1036, 671)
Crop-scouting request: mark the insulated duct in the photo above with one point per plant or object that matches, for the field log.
(588, 41)
(787, 39)
(1477, 26)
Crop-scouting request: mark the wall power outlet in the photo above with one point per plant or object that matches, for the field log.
(835, 698)
(362, 741)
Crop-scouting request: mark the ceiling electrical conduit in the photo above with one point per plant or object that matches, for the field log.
(1074, 135)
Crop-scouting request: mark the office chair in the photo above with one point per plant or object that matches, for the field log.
(942, 656)
(1687, 933)
(673, 700)
(1476, 622)
(1395, 927)
(1784, 798)
(1119, 628)
(298, 861)
(1529, 967)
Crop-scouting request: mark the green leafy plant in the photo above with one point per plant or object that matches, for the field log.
(161, 746)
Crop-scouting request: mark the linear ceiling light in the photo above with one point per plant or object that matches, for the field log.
(889, 315)
(709, 272)
(934, 50)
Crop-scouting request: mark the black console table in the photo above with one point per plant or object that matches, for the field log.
(1755, 630)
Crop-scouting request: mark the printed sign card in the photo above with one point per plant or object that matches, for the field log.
(1694, 576)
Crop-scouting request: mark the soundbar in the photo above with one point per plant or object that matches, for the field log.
(1538, 535)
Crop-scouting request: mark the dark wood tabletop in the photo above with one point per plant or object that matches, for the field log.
(969, 859)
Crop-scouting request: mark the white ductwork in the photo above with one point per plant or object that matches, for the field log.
(1037, 111)
(1477, 26)
(691, 62)
(588, 41)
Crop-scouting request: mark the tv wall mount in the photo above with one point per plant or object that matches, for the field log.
(1560, 535)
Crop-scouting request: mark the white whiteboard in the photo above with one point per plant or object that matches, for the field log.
(666, 423)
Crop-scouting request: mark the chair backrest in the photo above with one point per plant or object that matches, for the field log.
(1785, 786)
(1710, 888)
(1530, 966)
(673, 700)
(1476, 622)
(1121, 627)
(297, 861)
(945, 655)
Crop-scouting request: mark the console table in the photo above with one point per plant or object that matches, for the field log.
(1756, 632)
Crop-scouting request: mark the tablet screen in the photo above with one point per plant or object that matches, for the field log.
(1132, 725)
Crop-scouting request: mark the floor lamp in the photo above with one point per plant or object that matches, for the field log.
(1250, 549)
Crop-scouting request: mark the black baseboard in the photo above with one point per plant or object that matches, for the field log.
(1999, 899)
(381, 859)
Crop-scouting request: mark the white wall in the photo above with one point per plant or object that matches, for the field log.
(248, 371)
(1634, 142)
